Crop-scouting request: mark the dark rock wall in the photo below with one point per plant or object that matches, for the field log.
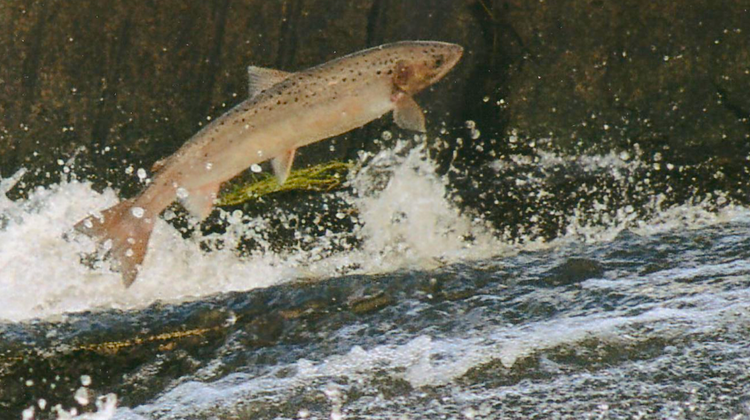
(127, 82)
(676, 70)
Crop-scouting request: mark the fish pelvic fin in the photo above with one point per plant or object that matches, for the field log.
(200, 201)
(282, 165)
(407, 114)
(124, 231)
(260, 79)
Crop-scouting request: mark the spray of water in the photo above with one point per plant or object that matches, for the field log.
(398, 203)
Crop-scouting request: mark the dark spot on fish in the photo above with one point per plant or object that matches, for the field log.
(378, 72)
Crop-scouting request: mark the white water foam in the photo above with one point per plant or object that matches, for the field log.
(41, 274)
(404, 221)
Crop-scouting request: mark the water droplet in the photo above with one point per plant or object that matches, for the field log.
(255, 168)
(387, 135)
(82, 396)
(138, 212)
(182, 193)
(209, 165)
(141, 173)
(28, 414)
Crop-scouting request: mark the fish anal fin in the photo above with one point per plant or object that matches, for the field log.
(407, 114)
(200, 201)
(156, 167)
(260, 79)
(282, 165)
(125, 230)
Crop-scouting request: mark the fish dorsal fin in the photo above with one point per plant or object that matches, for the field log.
(282, 165)
(408, 115)
(260, 79)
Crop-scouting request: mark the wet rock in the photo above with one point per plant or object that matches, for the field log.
(572, 271)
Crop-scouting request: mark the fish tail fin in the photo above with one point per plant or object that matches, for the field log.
(124, 230)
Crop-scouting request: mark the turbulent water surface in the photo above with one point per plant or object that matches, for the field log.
(392, 300)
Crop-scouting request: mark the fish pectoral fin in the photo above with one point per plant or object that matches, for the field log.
(200, 202)
(408, 115)
(260, 79)
(282, 165)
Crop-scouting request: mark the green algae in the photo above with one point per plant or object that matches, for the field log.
(323, 177)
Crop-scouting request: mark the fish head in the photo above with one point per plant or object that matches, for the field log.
(421, 64)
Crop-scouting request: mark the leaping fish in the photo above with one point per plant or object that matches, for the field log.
(284, 112)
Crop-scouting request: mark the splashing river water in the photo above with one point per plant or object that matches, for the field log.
(422, 310)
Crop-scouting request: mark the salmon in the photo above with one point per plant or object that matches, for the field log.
(284, 111)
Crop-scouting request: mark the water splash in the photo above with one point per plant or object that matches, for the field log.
(401, 209)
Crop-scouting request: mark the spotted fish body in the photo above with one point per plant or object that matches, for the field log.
(285, 111)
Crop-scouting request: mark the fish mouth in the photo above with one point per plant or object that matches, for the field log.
(453, 53)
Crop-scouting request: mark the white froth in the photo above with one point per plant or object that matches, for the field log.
(405, 220)
(409, 223)
(42, 274)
